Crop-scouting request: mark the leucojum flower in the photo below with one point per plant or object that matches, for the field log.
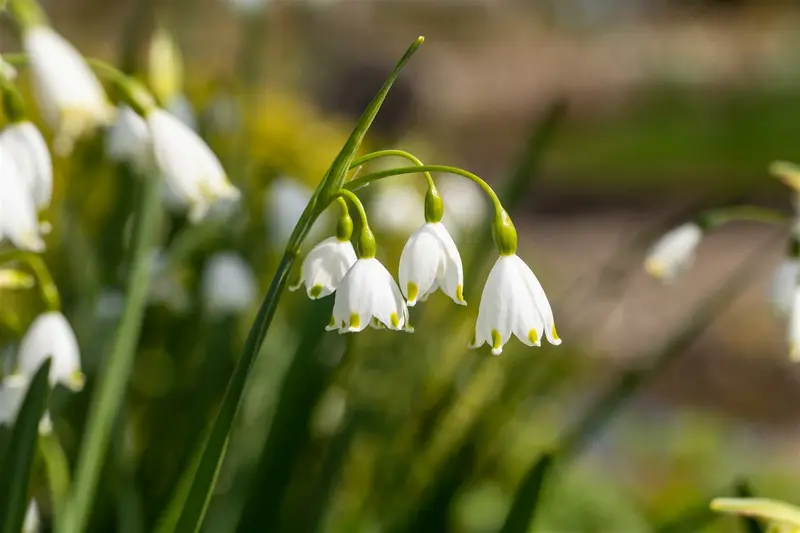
(513, 301)
(674, 252)
(70, 97)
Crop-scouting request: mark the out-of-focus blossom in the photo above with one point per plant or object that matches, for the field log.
(229, 285)
(25, 145)
(7, 71)
(15, 279)
(284, 202)
(128, 139)
(465, 205)
(674, 252)
(70, 97)
(396, 208)
(50, 335)
(192, 171)
(32, 523)
(784, 282)
(165, 66)
(18, 221)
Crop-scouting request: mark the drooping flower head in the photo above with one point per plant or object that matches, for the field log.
(192, 171)
(128, 139)
(70, 97)
(50, 335)
(25, 145)
(674, 252)
(513, 301)
(228, 284)
(368, 295)
(18, 221)
(325, 266)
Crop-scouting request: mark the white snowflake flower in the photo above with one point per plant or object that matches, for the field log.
(325, 267)
(430, 261)
(674, 252)
(50, 335)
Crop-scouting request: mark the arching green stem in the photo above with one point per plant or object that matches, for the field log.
(366, 179)
(752, 213)
(392, 153)
(505, 236)
(47, 287)
(367, 247)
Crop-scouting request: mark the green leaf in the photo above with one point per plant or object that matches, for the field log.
(216, 445)
(19, 457)
(526, 500)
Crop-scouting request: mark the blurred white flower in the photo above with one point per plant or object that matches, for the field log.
(794, 326)
(368, 295)
(70, 97)
(12, 392)
(465, 205)
(396, 207)
(50, 335)
(110, 303)
(166, 287)
(182, 109)
(513, 301)
(325, 266)
(284, 202)
(18, 221)
(165, 66)
(190, 168)
(784, 282)
(430, 261)
(7, 71)
(32, 523)
(128, 139)
(228, 284)
(674, 252)
(224, 114)
(26, 146)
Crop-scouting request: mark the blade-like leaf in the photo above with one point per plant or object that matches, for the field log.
(19, 457)
(526, 500)
(215, 447)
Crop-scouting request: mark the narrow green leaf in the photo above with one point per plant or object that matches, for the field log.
(215, 447)
(57, 466)
(19, 457)
(527, 498)
(111, 387)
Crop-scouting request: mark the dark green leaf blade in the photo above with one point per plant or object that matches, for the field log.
(527, 498)
(21, 450)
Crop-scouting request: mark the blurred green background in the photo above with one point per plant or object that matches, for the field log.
(601, 122)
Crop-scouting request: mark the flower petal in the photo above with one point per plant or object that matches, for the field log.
(420, 263)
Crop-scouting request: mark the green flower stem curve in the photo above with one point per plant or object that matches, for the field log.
(112, 382)
(366, 179)
(366, 240)
(47, 286)
(393, 153)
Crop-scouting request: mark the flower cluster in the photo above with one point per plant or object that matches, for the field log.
(674, 252)
(366, 294)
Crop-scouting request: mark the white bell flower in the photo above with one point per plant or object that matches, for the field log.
(128, 139)
(674, 252)
(32, 523)
(26, 146)
(190, 168)
(18, 221)
(228, 284)
(430, 260)
(50, 335)
(513, 301)
(69, 95)
(368, 295)
(784, 282)
(325, 267)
